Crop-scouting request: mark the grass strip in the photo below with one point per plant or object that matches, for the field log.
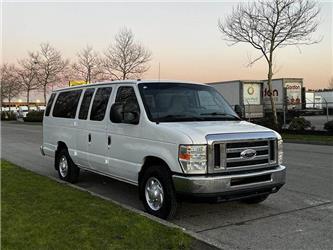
(39, 213)
(308, 138)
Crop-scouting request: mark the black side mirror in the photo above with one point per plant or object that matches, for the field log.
(116, 113)
(131, 113)
(239, 111)
(124, 113)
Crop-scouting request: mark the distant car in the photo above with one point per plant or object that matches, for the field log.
(23, 111)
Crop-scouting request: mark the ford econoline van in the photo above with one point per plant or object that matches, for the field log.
(172, 139)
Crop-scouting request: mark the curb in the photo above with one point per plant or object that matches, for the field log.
(202, 242)
(325, 143)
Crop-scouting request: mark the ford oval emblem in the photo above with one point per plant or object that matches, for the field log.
(248, 154)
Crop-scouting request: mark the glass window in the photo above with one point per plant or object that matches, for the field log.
(49, 104)
(66, 104)
(85, 104)
(126, 96)
(173, 102)
(100, 103)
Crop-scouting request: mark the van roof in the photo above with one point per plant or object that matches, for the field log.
(97, 84)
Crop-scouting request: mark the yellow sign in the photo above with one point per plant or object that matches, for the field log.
(75, 83)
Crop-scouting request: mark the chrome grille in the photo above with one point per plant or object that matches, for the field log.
(226, 155)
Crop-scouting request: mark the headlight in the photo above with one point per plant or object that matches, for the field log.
(193, 158)
(280, 151)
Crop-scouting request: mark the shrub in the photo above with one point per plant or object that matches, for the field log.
(329, 126)
(299, 124)
(268, 121)
(34, 116)
(8, 116)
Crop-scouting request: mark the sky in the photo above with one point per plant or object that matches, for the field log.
(183, 38)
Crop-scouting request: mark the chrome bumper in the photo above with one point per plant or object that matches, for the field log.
(217, 185)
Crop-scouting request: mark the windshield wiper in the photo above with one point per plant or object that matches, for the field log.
(222, 114)
(163, 118)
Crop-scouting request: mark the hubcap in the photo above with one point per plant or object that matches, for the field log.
(154, 193)
(63, 166)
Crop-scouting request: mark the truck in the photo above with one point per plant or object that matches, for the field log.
(171, 139)
(245, 93)
(287, 93)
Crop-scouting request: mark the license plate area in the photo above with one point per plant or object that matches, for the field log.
(250, 180)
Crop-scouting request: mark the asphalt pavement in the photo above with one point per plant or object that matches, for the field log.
(299, 216)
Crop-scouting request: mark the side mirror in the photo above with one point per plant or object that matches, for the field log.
(239, 111)
(131, 113)
(116, 113)
(124, 113)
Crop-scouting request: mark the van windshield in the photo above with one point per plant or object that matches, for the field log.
(174, 102)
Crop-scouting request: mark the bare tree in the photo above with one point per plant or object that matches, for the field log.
(268, 25)
(88, 65)
(10, 84)
(27, 74)
(126, 58)
(50, 65)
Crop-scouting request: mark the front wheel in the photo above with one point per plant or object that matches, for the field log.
(67, 170)
(157, 193)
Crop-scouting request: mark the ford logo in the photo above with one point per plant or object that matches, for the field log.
(248, 154)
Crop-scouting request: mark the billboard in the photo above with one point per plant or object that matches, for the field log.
(251, 93)
(293, 94)
(284, 90)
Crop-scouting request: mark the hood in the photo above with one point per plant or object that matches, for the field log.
(197, 131)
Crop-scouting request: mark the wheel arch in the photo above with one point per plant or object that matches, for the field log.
(60, 145)
(152, 161)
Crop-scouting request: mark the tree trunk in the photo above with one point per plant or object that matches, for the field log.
(28, 99)
(270, 91)
(9, 102)
(44, 94)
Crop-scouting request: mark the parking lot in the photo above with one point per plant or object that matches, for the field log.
(299, 216)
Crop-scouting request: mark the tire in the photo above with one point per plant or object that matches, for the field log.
(161, 200)
(256, 199)
(66, 168)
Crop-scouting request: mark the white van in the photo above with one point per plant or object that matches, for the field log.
(172, 139)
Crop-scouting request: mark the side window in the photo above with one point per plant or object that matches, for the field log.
(83, 114)
(127, 102)
(100, 103)
(49, 104)
(126, 95)
(66, 104)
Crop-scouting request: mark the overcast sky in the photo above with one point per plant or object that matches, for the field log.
(183, 38)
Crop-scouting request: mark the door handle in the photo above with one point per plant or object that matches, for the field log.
(89, 137)
(109, 140)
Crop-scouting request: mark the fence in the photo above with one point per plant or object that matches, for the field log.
(318, 113)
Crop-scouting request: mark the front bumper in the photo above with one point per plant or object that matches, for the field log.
(214, 186)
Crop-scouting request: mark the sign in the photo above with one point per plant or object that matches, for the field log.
(75, 83)
(294, 95)
(282, 91)
(251, 93)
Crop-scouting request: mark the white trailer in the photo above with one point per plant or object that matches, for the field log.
(327, 98)
(246, 93)
(284, 90)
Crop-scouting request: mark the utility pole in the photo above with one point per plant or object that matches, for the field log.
(159, 71)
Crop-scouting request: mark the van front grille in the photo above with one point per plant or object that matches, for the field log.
(244, 155)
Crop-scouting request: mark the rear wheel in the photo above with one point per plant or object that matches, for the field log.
(157, 192)
(67, 170)
(256, 199)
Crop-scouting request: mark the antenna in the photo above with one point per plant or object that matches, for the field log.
(159, 71)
